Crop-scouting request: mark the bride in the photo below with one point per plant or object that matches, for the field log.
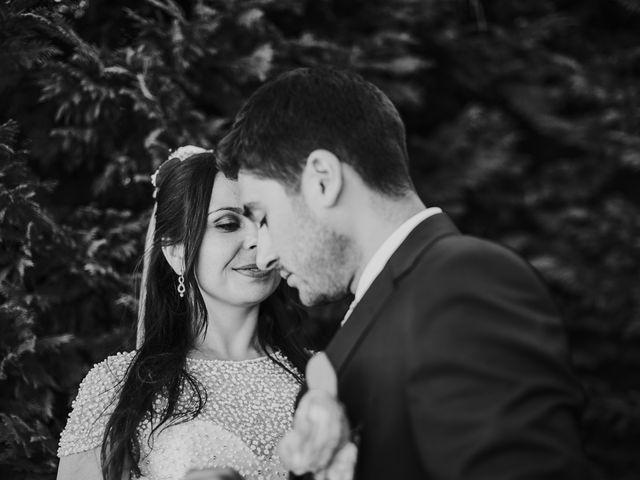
(213, 381)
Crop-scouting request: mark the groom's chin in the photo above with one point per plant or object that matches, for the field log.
(315, 299)
(308, 299)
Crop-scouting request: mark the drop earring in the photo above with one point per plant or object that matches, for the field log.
(181, 287)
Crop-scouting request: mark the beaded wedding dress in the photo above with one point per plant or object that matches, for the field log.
(249, 408)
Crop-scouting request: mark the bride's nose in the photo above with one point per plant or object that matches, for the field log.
(266, 256)
(251, 240)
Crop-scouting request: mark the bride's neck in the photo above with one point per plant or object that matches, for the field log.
(230, 335)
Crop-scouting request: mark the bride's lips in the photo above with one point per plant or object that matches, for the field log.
(252, 270)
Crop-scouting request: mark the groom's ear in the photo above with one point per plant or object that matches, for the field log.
(322, 178)
(174, 254)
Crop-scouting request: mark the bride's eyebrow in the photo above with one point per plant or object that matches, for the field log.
(237, 210)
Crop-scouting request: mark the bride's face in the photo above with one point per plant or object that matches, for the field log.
(226, 268)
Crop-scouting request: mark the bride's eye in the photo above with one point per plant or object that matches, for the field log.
(228, 224)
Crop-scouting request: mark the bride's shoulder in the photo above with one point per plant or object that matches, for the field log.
(118, 362)
(108, 372)
(94, 404)
(114, 364)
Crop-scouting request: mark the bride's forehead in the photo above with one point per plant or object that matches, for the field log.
(226, 192)
(254, 189)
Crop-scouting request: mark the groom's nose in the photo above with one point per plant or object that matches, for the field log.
(266, 257)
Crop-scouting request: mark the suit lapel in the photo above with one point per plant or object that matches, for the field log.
(363, 316)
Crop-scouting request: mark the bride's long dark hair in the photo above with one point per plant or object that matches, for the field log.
(172, 324)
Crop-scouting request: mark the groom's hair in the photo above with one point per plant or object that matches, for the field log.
(318, 108)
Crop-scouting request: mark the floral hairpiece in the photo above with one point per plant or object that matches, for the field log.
(181, 153)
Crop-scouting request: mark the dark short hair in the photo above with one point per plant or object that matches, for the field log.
(310, 108)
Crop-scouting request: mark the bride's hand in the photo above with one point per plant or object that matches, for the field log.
(319, 440)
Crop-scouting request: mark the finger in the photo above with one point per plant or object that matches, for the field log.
(327, 417)
(320, 429)
(291, 455)
(304, 426)
(320, 374)
(343, 464)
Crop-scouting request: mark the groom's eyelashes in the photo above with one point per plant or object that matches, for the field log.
(249, 213)
(252, 211)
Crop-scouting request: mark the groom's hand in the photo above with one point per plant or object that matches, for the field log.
(319, 440)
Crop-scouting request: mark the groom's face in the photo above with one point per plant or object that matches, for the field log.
(309, 255)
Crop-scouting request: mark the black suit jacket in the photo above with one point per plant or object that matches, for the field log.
(454, 365)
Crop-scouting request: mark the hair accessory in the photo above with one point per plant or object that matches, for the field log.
(181, 153)
(181, 287)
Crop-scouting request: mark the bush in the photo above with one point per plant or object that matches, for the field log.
(522, 121)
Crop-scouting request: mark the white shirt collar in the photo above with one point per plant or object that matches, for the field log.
(379, 259)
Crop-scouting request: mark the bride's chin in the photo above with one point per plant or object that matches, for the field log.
(259, 293)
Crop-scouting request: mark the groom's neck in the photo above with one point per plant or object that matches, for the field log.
(376, 222)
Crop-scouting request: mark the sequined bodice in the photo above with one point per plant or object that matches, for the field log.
(249, 407)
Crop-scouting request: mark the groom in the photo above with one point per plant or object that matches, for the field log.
(452, 360)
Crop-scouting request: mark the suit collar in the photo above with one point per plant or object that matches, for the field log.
(388, 247)
(364, 314)
(419, 240)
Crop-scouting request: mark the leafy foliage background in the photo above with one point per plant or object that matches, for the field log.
(523, 121)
